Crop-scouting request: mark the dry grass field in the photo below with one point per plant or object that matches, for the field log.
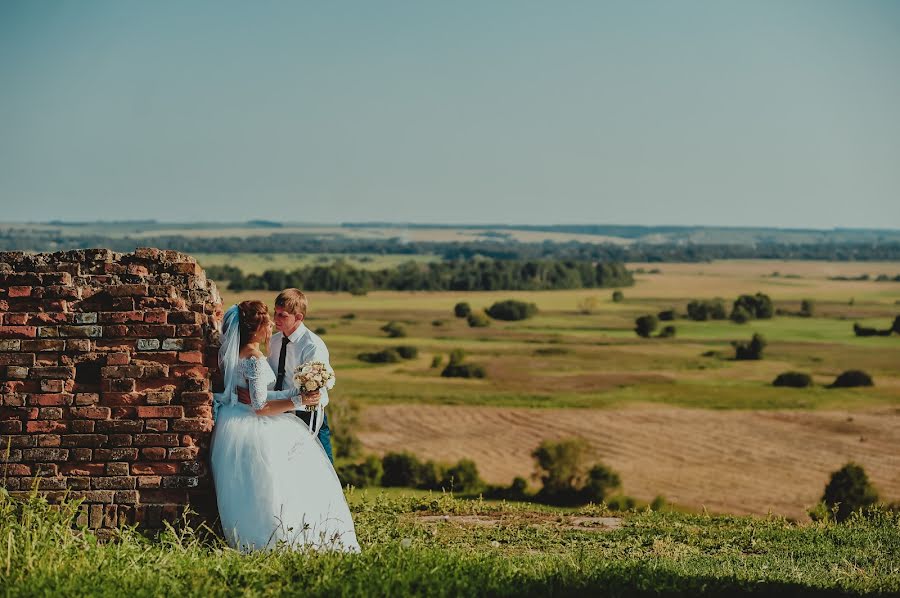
(677, 417)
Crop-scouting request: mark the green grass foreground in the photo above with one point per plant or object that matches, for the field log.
(463, 548)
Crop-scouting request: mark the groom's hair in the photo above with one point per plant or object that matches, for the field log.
(292, 301)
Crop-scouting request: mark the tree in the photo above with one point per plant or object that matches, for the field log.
(751, 350)
(361, 475)
(462, 309)
(757, 306)
(462, 477)
(511, 310)
(807, 308)
(740, 315)
(400, 469)
(793, 380)
(476, 320)
(562, 467)
(852, 378)
(849, 490)
(645, 325)
(600, 481)
(394, 329)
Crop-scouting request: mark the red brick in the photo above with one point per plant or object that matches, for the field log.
(157, 425)
(160, 411)
(184, 453)
(18, 331)
(19, 292)
(82, 469)
(192, 425)
(78, 344)
(50, 440)
(16, 319)
(116, 454)
(117, 469)
(149, 481)
(14, 469)
(90, 412)
(45, 426)
(118, 359)
(50, 399)
(190, 357)
(87, 398)
(83, 426)
(84, 440)
(122, 398)
(204, 411)
(196, 398)
(156, 439)
(127, 290)
(120, 440)
(156, 316)
(155, 468)
(153, 453)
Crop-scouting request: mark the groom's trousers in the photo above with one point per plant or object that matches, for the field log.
(324, 431)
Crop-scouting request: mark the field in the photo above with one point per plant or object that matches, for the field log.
(435, 545)
(677, 417)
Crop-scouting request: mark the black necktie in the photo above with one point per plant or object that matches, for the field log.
(279, 380)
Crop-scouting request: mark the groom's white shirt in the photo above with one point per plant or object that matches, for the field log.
(305, 346)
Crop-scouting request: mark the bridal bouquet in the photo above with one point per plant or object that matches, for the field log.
(312, 376)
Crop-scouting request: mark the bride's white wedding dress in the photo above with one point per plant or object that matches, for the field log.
(274, 483)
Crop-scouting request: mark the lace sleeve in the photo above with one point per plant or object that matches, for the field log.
(259, 375)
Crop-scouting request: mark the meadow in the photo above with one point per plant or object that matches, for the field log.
(436, 545)
(675, 416)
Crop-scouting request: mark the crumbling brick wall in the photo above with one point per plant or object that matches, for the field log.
(105, 365)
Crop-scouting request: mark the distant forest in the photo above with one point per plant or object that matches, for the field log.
(458, 275)
(501, 249)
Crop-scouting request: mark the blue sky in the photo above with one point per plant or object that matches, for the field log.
(774, 113)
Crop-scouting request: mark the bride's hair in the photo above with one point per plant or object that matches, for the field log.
(252, 315)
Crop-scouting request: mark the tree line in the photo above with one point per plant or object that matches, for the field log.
(456, 275)
(500, 248)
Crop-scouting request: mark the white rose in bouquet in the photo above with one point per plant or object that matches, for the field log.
(312, 376)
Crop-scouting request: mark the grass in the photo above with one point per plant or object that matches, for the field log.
(471, 548)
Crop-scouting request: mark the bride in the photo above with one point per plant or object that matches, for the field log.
(274, 484)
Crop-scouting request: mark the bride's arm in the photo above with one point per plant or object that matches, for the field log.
(266, 402)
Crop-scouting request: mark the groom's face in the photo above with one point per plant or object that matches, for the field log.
(285, 321)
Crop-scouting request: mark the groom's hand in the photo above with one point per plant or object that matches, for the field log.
(244, 395)
(311, 398)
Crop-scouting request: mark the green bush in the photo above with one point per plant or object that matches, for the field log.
(751, 350)
(600, 481)
(321, 330)
(462, 309)
(436, 361)
(702, 310)
(477, 320)
(462, 477)
(740, 315)
(350, 316)
(793, 380)
(400, 470)
(849, 490)
(562, 467)
(667, 315)
(407, 351)
(457, 356)
(361, 475)
(645, 325)
(618, 297)
(464, 370)
(667, 332)
(511, 310)
(757, 306)
(807, 308)
(394, 330)
(383, 356)
(851, 379)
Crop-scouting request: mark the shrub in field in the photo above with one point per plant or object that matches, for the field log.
(562, 467)
(464, 370)
(757, 306)
(407, 351)
(361, 475)
(511, 310)
(852, 378)
(793, 380)
(401, 470)
(740, 315)
(477, 320)
(896, 325)
(350, 316)
(437, 323)
(667, 332)
(666, 315)
(849, 490)
(394, 330)
(383, 356)
(645, 325)
(807, 308)
(600, 481)
(621, 502)
(462, 477)
(437, 360)
(751, 350)
(321, 330)
(462, 309)
(706, 309)
(618, 297)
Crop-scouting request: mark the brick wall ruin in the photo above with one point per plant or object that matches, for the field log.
(105, 364)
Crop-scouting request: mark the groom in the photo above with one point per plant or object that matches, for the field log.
(293, 345)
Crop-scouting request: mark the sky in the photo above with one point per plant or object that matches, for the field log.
(780, 113)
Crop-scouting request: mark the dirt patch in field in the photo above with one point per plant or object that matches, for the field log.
(745, 462)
